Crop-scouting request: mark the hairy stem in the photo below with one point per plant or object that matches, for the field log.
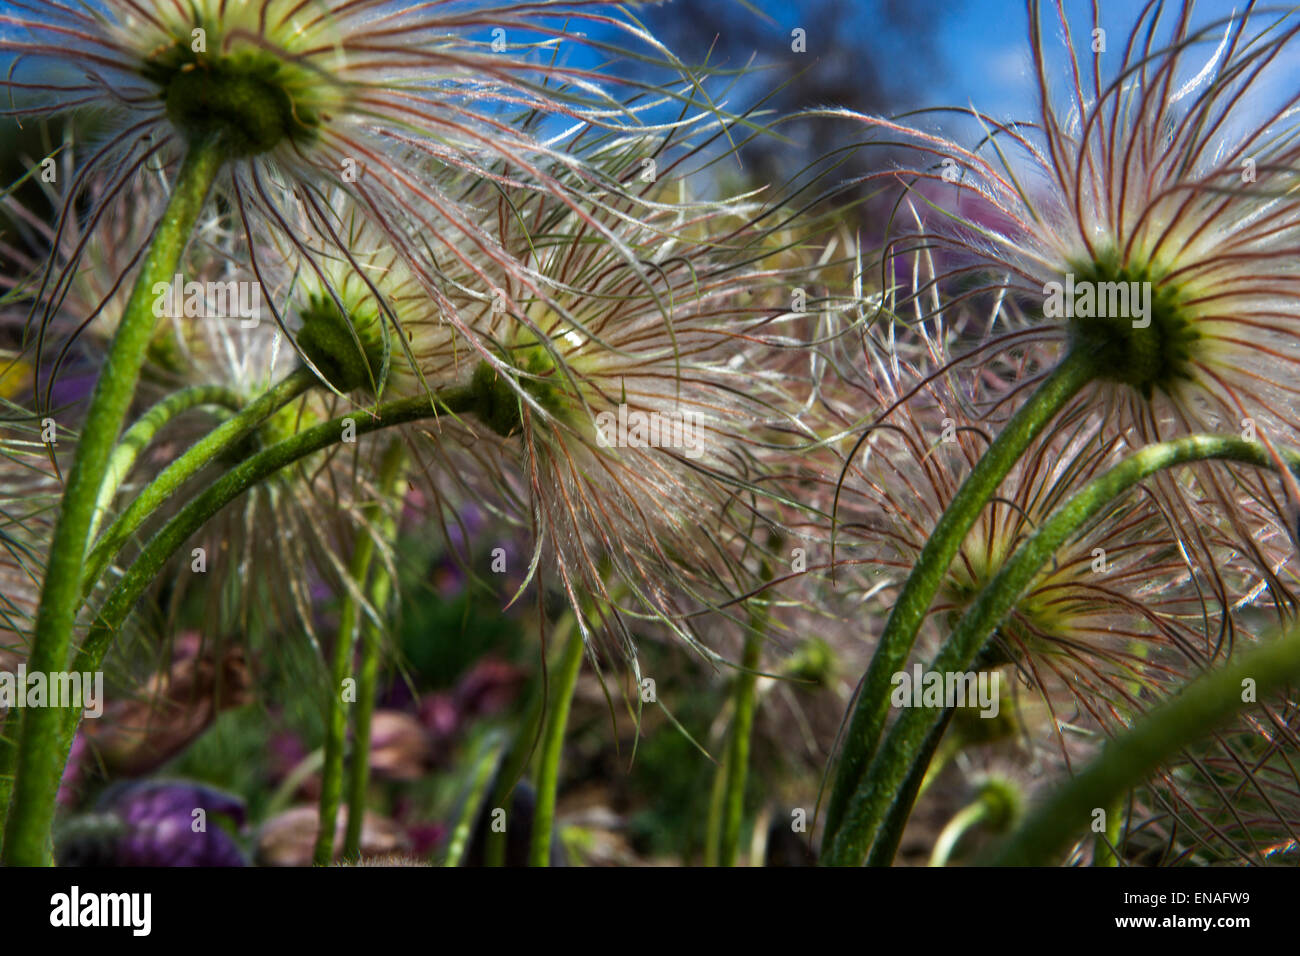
(123, 459)
(226, 489)
(40, 759)
(557, 721)
(914, 600)
(391, 481)
(183, 468)
(8, 752)
(336, 716)
(742, 725)
(141, 433)
(906, 743)
(1202, 706)
(890, 834)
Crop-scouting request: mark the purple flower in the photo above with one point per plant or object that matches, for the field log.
(164, 829)
(464, 531)
(73, 387)
(488, 688)
(425, 837)
(439, 715)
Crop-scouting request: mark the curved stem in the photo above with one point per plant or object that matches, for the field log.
(906, 741)
(1125, 762)
(184, 467)
(124, 456)
(226, 489)
(40, 759)
(557, 721)
(140, 434)
(484, 764)
(966, 819)
(890, 834)
(391, 480)
(914, 600)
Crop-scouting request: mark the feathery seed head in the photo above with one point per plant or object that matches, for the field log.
(249, 98)
(1118, 618)
(1148, 356)
(347, 349)
(1147, 217)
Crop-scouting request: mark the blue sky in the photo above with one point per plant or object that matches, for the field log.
(985, 51)
(981, 51)
(977, 52)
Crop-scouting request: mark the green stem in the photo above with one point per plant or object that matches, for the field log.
(905, 744)
(1125, 762)
(969, 817)
(140, 434)
(183, 468)
(391, 480)
(890, 835)
(868, 720)
(8, 751)
(124, 456)
(336, 717)
(557, 721)
(737, 763)
(521, 748)
(717, 809)
(252, 471)
(40, 759)
(1105, 847)
(284, 795)
(484, 766)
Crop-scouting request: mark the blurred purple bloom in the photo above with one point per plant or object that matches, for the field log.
(161, 822)
(425, 837)
(439, 716)
(461, 532)
(488, 688)
(448, 578)
(72, 387)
